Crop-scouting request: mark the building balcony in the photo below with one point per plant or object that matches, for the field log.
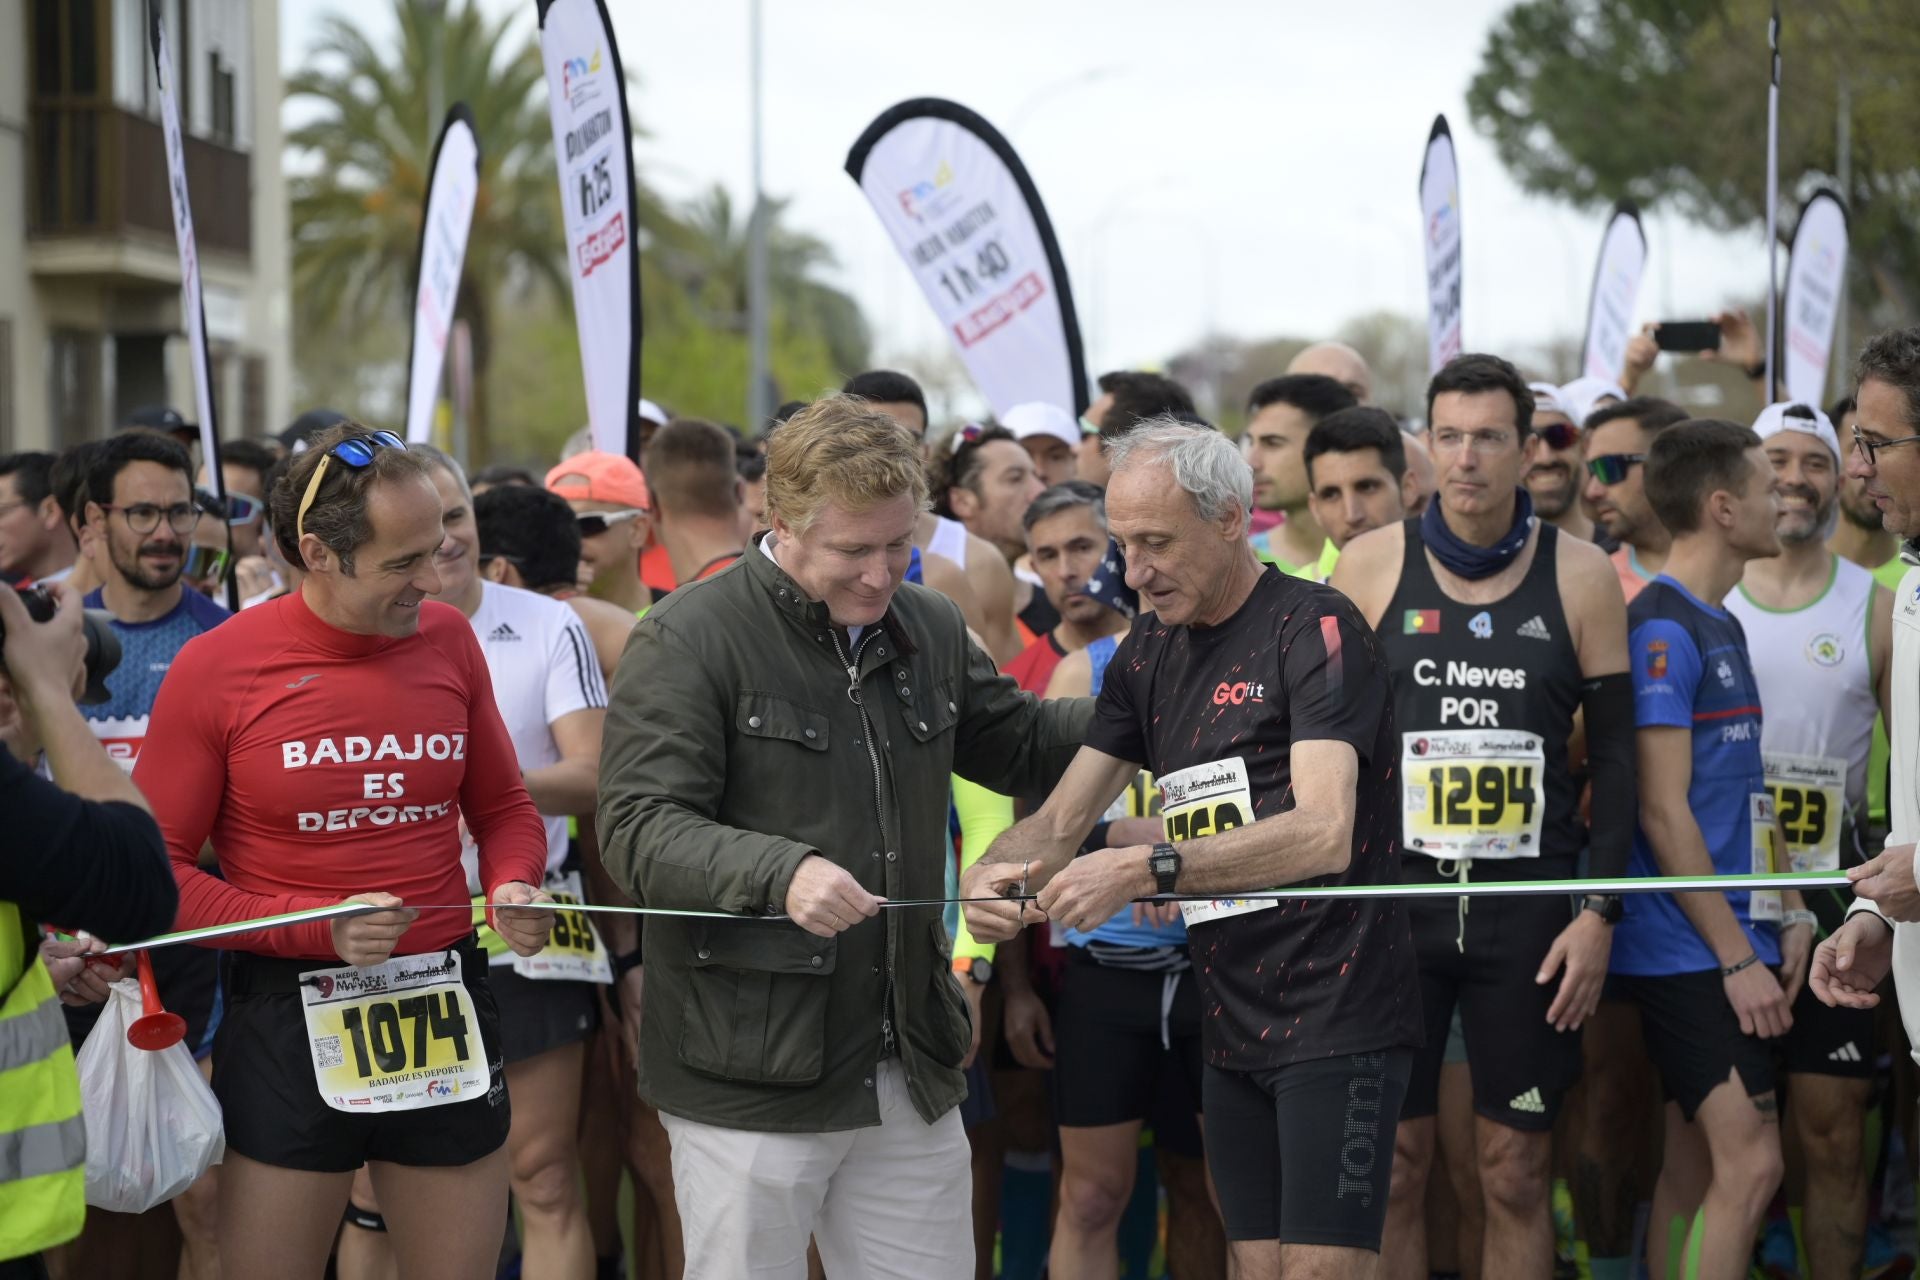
(98, 195)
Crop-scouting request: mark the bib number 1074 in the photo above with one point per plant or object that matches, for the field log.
(1456, 791)
(380, 1045)
(1203, 820)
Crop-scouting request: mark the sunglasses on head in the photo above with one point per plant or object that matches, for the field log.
(1612, 468)
(1558, 435)
(356, 452)
(595, 523)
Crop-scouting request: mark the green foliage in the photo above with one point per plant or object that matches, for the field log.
(357, 201)
(1665, 101)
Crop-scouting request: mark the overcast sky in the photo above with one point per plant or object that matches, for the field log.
(1239, 166)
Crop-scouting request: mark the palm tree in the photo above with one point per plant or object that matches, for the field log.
(357, 207)
(709, 261)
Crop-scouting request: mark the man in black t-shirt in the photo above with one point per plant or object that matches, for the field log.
(1261, 704)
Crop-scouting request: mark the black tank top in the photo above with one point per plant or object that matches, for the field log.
(1483, 698)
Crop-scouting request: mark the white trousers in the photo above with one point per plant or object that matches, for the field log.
(892, 1201)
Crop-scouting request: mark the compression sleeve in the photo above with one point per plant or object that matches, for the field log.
(983, 816)
(82, 864)
(1606, 703)
(182, 771)
(493, 796)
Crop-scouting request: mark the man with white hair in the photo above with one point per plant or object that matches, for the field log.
(1820, 634)
(1259, 701)
(1340, 362)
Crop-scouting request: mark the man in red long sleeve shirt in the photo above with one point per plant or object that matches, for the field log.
(328, 744)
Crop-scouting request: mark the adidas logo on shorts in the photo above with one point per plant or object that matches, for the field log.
(503, 632)
(1530, 1100)
(1534, 629)
(1847, 1052)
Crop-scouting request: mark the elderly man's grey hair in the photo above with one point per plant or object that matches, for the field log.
(1204, 463)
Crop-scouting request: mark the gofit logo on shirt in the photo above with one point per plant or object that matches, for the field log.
(1239, 694)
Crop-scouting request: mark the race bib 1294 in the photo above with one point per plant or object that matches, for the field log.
(1472, 793)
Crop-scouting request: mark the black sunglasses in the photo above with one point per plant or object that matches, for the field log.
(1558, 435)
(595, 523)
(1612, 468)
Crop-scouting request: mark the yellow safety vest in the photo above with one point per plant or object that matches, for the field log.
(43, 1140)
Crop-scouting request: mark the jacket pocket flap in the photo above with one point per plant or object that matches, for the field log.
(933, 714)
(766, 715)
(770, 946)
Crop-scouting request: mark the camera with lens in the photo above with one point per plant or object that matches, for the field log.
(103, 647)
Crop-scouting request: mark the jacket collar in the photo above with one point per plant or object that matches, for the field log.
(792, 601)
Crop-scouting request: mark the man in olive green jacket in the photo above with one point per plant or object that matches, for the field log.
(779, 748)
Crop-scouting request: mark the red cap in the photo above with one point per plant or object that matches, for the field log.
(601, 477)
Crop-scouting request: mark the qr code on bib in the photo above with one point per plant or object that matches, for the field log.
(327, 1054)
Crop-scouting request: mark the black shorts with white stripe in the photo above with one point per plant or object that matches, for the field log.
(1829, 1042)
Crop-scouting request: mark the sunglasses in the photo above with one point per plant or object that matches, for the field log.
(356, 452)
(595, 523)
(1558, 435)
(244, 509)
(205, 564)
(1612, 468)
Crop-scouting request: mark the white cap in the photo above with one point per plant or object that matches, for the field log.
(1582, 396)
(1038, 418)
(651, 412)
(1546, 396)
(1804, 418)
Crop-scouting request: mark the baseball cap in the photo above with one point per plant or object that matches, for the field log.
(1547, 396)
(651, 412)
(1038, 418)
(1804, 418)
(601, 477)
(1582, 396)
(162, 418)
(307, 426)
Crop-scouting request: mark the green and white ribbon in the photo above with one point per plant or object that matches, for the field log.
(1443, 889)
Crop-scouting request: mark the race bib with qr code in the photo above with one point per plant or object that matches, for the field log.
(398, 1036)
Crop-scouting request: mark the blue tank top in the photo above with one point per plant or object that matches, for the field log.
(913, 567)
(1121, 930)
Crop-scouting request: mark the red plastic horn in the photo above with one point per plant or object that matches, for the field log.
(154, 1029)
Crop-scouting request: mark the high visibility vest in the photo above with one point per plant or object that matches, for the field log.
(43, 1140)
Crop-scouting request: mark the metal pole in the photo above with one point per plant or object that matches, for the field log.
(759, 403)
(1843, 170)
(1773, 197)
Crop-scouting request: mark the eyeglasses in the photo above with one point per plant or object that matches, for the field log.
(1558, 435)
(356, 452)
(144, 517)
(595, 523)
(1449, 440)
(1612, 468)
(1872, 447)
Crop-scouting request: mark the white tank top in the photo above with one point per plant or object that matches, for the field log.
(1816, 683)
(949, 540)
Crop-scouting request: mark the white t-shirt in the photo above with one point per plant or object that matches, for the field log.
(543, 667)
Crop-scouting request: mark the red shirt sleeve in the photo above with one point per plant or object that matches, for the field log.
(182, 771)
(501, 815)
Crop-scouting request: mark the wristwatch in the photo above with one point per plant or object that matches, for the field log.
(1608, 906)
(975, 969)
(1164, 862)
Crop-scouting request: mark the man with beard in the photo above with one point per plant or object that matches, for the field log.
(1280, 413)
(1858, 535)
(1618, 437)
(141, 513)
(1819, 631)
(1554, 465)
(1357, 474)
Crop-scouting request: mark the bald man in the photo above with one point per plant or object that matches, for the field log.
(1420, 471)
(1340, 362)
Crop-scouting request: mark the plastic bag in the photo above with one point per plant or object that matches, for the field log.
(153, 1125)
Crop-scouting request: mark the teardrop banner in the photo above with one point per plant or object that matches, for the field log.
(593, 147)
(1616, 294)
(1811, 305)
(1440, 216)
(453, 184)
(968, 221)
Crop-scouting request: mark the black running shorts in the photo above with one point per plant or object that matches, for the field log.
(263, 1076)
(1303, 1153)
(538, 1015)
(1694, 1037)
(1126, 1047)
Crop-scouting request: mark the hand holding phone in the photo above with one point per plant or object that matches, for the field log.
(1689, 336)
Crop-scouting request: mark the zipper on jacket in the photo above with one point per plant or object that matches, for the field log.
(887, 1044)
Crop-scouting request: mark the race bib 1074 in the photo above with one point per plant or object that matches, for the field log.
(397, 1036)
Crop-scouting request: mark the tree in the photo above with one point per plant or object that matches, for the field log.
(1665, 101)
